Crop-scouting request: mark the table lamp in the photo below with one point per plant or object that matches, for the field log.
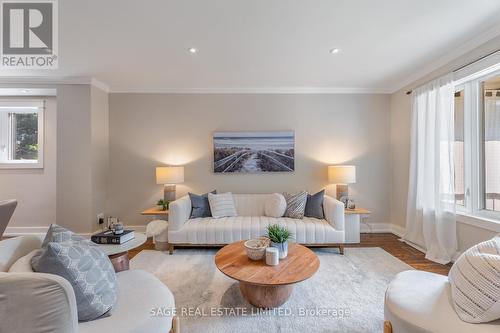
(169, 176)
(342, 175)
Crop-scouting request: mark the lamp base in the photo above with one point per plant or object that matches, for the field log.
(169, 193)
(342, 191)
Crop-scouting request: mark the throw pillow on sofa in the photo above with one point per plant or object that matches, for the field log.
(475, 283)
(295, 204)
(275, 205)
(86, 267)
(200, 205)
(222, 205)
(314, 205)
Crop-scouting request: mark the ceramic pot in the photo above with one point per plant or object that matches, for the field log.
(282, 248)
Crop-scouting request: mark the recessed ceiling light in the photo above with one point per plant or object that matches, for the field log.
(334, 50)
(25, 91)
(193, 50)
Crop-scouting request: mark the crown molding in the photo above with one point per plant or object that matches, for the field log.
(99, 84)
(456, 53)
(251, 90)
(53, 80)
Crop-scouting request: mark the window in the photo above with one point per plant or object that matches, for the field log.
(491, 143)
(21, 134)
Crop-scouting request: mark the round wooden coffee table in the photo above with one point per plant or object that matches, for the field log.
(266, 286)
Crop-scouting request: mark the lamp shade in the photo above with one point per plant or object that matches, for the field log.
(342, 174)
(169, 175)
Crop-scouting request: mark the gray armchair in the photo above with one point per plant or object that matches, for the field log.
(7, 208)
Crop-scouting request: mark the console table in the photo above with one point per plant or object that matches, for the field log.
(352, 224)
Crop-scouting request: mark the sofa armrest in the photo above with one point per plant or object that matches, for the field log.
(37, 302)
(179, 212)
(334, 212)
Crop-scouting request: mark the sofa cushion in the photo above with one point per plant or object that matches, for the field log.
(295, 204)
(150, 314)
(419, 302)
(314, 205)
(275, 205)
(23, 264)
(475, 282)
(199, 205)
(231, 229)
(86, 267)
(221, 205)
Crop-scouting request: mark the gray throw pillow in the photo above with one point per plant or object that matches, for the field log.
(200, 205)
(59, 234)
(314, 205)
(295, 204)
(86, 267)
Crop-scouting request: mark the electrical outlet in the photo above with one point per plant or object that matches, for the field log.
(100, 219)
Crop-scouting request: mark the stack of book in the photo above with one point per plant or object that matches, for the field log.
(109, 237)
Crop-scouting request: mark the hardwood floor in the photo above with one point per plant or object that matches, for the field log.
(388, 242)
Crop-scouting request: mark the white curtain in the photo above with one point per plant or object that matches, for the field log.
(431, 219)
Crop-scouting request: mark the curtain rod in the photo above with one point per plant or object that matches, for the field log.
(468, 64)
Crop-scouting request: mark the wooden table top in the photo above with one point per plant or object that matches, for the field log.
(154, 211)
(360, 211)
(300, 264)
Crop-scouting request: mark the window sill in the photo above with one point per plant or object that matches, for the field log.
(21, 165)
(479, 221)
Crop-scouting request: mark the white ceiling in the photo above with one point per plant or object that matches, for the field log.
(254, 45)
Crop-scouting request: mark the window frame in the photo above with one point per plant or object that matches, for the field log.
(17, 106)
(474, 171)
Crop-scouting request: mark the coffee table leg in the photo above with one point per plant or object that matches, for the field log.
(266, 297)
(120, 261)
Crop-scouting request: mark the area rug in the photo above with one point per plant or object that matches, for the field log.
(345, 295)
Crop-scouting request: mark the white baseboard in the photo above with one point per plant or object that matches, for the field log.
(21, 231)
(382, 228)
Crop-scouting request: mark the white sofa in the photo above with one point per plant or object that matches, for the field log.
(38, 302)
(251, 222)
(420, 302)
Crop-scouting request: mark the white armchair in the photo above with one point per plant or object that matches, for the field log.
(36, 302)
(420, 302)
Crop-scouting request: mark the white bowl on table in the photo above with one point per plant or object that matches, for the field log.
(256, 248)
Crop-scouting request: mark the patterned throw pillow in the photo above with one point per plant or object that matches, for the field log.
(222, 205)
(475, 283)
(59, 234)
(85, 266)
(295, 204)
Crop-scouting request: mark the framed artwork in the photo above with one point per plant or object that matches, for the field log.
(254, 152)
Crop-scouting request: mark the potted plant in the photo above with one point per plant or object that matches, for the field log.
(279, 236)
(163, 204)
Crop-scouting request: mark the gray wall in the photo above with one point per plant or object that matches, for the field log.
(148, 130)
(99, 151)
(71, 188)
(35, 189)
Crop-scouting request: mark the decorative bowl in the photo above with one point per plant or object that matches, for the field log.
(256, 248)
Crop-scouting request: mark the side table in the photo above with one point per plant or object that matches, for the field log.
(156, 213)
(118, 253)
(352, 224)
(160, 240)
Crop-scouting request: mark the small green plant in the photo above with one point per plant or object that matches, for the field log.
(163, 204)
(278, 234)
